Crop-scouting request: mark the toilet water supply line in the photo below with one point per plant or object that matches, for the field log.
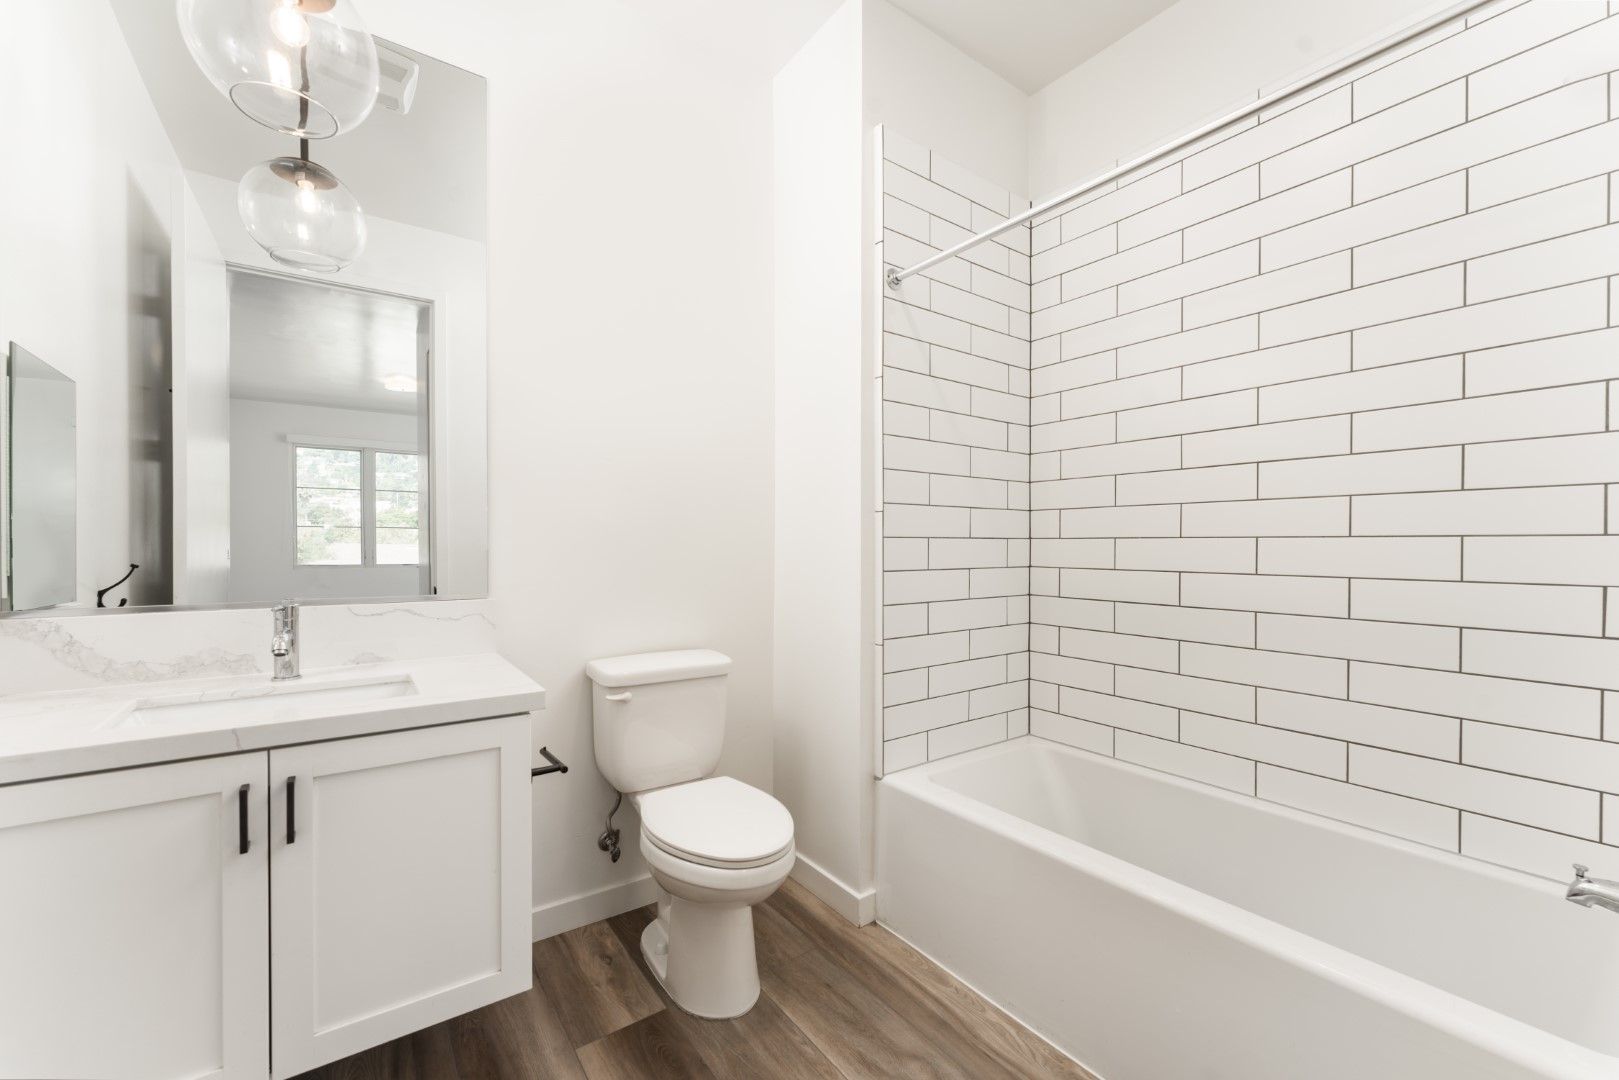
(608, 841)
(1371, 52)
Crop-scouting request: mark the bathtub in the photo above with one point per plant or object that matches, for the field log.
(1156, 929)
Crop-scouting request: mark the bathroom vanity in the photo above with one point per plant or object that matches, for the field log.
(238, 878)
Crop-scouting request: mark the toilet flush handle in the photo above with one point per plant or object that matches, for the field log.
(622, 695)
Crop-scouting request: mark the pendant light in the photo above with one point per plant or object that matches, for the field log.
(306, 68)
(301, 214)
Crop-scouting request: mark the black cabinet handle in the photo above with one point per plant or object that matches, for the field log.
(292, 809)
(242, 842)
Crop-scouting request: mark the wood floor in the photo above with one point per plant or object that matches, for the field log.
(837, 1002)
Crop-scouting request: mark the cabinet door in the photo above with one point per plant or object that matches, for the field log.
(399, 884)
(134, 932)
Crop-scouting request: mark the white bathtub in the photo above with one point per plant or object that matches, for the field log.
(1156, 929)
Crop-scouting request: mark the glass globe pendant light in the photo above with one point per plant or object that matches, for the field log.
(301, 214)
(306, 68)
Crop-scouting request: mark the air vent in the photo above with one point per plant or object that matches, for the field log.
(398, 74)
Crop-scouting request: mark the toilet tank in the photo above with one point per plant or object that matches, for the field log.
(659, 717)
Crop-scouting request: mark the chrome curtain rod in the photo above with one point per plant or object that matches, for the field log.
(1371, 52)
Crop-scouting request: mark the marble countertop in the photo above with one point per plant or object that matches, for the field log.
(114, 727)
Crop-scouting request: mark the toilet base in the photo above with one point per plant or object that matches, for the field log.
(702, 955)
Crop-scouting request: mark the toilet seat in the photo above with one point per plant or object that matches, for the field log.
(718, 822)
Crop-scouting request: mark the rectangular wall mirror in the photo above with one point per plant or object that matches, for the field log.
(41, 504)
(245, 430)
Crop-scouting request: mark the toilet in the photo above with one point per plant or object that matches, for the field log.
(715, 845)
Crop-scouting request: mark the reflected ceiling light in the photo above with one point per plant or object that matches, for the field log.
(399, 384)
(301, 214)
(301, 67)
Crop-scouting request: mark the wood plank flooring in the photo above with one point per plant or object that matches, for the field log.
(838, 1003)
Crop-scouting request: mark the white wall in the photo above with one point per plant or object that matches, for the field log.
(1186, 65)
(823, 749)
(263, 544)
(630, 379)
(869, 65)
(201, 386)
(918, 84)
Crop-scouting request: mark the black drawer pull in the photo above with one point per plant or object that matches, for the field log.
(292, 809)
(242, 842)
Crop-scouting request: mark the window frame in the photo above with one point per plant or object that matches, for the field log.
(368, 499)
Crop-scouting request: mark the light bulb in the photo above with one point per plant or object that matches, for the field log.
(279, 70)
(289, 24)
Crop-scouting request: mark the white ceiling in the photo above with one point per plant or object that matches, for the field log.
(310, 343)
(757, 35)
(426, 168)
(1031, 42)
(1027, 42)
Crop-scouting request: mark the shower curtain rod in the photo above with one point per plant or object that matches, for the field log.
(1371, 52)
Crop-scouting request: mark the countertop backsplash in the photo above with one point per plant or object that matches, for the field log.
(40, 653)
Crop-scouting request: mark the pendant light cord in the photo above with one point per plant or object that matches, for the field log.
(303, 97)
(303, 102)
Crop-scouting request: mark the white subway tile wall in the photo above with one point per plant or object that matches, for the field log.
(1322, 486)
(955, 497)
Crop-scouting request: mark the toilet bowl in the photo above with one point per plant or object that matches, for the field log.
(715, 846)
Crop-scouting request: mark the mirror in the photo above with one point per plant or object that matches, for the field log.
(244, 430)
(42, 503)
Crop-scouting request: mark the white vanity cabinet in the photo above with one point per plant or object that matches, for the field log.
(261, 914)
(134, 931)
(399, 885)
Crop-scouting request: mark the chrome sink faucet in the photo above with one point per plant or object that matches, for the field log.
(284, 640)
(1592, 892)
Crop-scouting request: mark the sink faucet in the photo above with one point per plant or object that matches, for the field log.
(1592, 892)
(284, 640)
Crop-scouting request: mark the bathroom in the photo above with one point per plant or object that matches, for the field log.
(836, 538)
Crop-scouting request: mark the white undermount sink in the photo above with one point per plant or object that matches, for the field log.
(260, 701)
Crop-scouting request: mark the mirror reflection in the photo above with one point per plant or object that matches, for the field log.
(327, 386)
(40, 425)
(272, 336)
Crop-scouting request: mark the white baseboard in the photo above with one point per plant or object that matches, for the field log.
(585, 908)
(858, 907)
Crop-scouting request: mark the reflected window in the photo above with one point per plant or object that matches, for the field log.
(398, 514)
(357, 507)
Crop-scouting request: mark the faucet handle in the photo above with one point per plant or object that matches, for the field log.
(1580, 871)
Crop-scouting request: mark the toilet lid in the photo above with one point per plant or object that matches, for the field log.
(717, 822)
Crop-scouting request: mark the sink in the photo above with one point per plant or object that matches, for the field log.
(260, 701)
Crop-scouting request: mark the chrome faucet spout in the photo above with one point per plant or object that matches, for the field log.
(1588, 891)
(284, 640)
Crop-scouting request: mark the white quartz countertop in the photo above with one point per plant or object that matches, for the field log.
(114, 727)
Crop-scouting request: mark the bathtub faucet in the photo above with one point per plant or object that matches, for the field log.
(1592, 892)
